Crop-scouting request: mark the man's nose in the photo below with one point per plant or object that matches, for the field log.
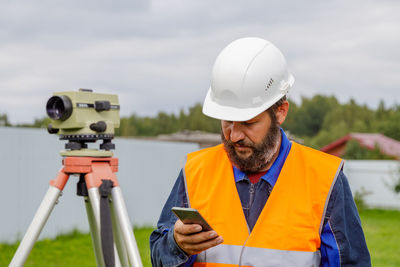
(237, 133)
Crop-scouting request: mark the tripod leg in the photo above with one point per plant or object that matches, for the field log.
(94, 233)
(118, 237)
(126, 228)
(94, 200)
(36, 226)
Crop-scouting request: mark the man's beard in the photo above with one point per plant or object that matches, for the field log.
(262, 155)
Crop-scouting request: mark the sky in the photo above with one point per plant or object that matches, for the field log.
(158, 55)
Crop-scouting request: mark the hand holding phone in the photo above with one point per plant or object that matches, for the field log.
(190, 239)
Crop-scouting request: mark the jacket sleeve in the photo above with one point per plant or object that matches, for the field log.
(342, 238)
(164, 250)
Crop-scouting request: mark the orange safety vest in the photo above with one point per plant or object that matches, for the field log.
(287, 232)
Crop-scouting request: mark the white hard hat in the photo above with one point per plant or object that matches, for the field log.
(248, 77)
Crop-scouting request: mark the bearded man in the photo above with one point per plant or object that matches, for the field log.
(270, 201)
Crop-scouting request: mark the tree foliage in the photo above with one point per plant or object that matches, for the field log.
(308, 118)
(4, 120)
(165, 123)
(321, 120)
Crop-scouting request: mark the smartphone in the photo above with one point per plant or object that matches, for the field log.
(189, 215)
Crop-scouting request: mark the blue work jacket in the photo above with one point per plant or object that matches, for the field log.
(342, 238)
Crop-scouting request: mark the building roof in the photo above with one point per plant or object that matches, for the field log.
(386, 144)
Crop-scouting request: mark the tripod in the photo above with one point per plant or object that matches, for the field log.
(93, 171)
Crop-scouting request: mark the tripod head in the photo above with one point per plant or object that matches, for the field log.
(82, 117)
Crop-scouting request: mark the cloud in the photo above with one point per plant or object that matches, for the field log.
(158, 55)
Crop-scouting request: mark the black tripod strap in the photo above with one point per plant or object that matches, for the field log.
(107, 242)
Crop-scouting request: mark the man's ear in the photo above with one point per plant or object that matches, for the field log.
(281, 112)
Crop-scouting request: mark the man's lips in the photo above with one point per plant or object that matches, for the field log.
(242, 145)
(242, 148)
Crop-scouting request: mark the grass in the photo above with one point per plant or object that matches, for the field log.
(72, 249)
(382, 232)
(381, 227)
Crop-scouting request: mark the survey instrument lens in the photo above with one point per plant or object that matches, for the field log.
(59, 107)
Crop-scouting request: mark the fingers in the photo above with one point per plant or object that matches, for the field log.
(196, 248)
(186, 229)
(191, 240)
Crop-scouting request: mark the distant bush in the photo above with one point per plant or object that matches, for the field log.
(359, 198)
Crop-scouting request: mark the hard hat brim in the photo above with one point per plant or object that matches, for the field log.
(229, 113)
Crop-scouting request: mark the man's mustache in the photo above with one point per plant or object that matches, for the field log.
(241, 143)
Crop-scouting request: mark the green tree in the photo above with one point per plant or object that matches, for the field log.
(196, 120)
(352, 115)
(4, 120)
(290, 121)
(127, 126)
(381, 112)
(41, 123)
(326, 136)
(389, 123)
(166, 123)
(307, 119)
(342, 120)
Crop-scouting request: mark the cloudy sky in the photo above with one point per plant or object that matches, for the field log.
(157, 55)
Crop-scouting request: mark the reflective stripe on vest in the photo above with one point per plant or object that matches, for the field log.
(288, 228)
(228, 254)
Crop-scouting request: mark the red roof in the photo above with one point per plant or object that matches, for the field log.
(387, 145)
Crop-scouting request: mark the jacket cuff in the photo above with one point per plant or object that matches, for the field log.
(180, 256)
